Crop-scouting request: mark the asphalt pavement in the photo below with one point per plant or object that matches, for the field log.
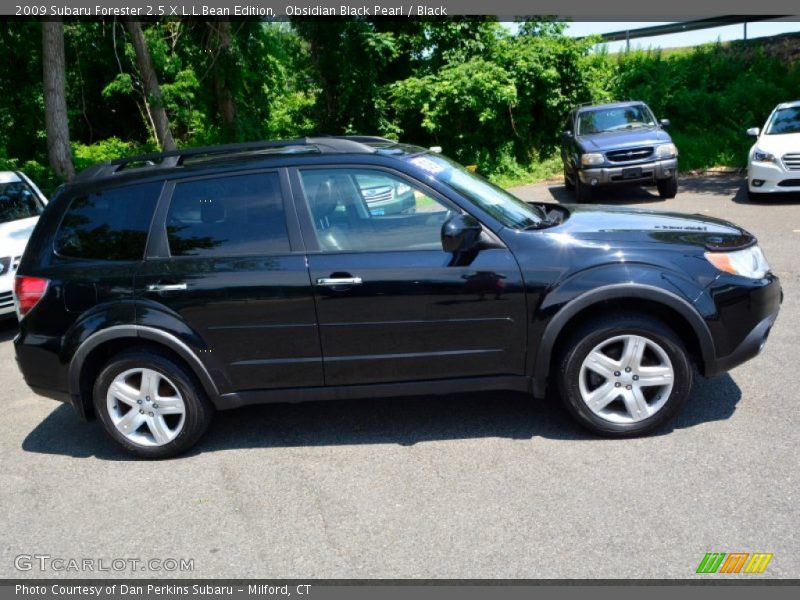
(479, 486)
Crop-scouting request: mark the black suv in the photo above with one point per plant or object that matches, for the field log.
(157, 289)
(605, 144)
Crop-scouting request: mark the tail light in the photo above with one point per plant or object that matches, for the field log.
(27, 293)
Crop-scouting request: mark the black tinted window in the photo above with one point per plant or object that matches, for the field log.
(228, 216)
(109, 225)
(17, 201)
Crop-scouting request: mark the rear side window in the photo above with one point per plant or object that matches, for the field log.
(109, 225)
(228, 216)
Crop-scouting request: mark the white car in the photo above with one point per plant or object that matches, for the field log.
(21, 203)
(774, 162)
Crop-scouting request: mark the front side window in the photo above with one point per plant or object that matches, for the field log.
(371, 210)
(785, 120)
(18, 201)
(615, 119)
(109, 225)
(228, 216)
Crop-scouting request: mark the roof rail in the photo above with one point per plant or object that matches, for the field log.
(174, 158)
(365, 139)
(618, 101)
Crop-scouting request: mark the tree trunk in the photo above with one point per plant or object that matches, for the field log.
(55, 101)
(222, 89)
(151, 87)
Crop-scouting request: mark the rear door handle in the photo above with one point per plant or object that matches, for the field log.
(336, 281)
(166, 287)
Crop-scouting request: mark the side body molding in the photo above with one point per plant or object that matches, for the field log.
(117, 332)
(611, 292)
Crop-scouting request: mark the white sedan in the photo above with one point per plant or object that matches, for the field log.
(774, 162)
(21, 203)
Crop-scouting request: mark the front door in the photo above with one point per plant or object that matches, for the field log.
(221, 268)
(393, 306)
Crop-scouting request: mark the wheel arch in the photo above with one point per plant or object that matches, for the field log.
(99, 347)
(677, 313)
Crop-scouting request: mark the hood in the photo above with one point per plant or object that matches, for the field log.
(623, 139)
(779, 144)
(642, 225)
(14, 236)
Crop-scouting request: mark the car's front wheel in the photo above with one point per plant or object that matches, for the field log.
(151, 405)
(624, 375)
(583, 193)
(668, 188)
(568, 183)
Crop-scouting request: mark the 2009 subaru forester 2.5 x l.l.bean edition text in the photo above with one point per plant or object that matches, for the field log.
(158, 289)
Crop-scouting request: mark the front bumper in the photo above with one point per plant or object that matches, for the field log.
(649, 172)
(770, 178)
(393, 206)
(745, 315)
(6, 297)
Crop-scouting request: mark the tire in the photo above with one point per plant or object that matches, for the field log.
(668, 188)
(756, 196)
(619, 411)
(567, 183)
(583, 193)
(141, 380)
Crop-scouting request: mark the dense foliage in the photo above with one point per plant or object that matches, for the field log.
(486, 95)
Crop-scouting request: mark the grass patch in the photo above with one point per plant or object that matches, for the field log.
(522, 175)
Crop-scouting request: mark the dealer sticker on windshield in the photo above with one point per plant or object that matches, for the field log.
(426, 164)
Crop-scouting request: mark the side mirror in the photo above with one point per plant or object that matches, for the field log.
(754, 132)
(665, 123)
(460, 233)
(566, 134)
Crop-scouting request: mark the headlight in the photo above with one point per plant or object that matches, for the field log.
(761, 156)
(749, 262)
(401, 189)
(593, 158)
(666, 151)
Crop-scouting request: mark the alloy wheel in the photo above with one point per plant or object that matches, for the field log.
(146, 407)
(626, 379)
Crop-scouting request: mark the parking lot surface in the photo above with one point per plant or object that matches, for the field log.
(480, 486)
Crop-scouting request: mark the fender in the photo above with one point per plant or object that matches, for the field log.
(610, 292)
(148, 333)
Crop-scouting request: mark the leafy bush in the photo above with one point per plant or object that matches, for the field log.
(712, 94)
(87, 155)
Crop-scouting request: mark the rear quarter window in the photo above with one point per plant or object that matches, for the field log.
(110, 224)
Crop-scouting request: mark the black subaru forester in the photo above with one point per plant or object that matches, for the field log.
(158, 289)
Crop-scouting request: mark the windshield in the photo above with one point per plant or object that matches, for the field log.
(785, 120)
(18, 201)
(509, 210)
(614, 119)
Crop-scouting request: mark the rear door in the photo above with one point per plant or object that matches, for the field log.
(392, 305)
(226, 270)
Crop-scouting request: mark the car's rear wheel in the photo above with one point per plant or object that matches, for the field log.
(668, 188)
(151, 405)
(624, 375)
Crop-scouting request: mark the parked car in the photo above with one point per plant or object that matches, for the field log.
(773, 166)
(618, 143)
(21, 203)
(384, 198)
(213, 278)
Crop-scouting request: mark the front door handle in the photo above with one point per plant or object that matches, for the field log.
(336, 281)
(166, 287)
